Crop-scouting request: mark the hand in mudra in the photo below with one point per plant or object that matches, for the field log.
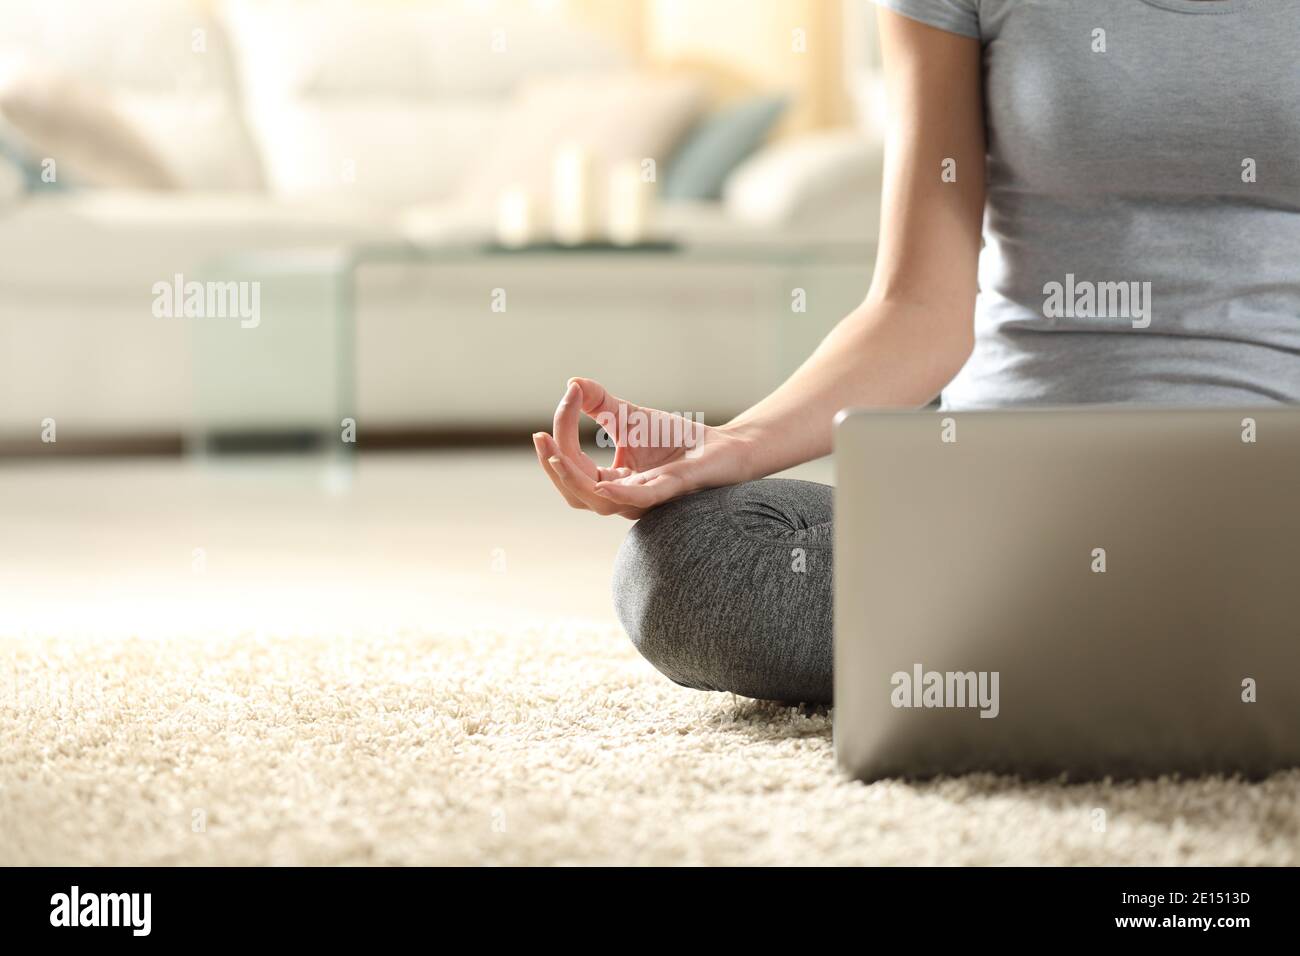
(659, 456)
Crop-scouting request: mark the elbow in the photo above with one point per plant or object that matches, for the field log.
(951, 357)
(960, 352)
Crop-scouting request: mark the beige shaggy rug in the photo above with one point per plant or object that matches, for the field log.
(552, 746)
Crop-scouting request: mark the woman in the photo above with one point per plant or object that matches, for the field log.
(1133, 169)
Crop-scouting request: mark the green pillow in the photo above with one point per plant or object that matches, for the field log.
(717, 145)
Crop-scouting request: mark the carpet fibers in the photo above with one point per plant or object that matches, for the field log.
(226, 664)
(547, 745)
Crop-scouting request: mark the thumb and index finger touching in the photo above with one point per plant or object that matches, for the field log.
(586, 396)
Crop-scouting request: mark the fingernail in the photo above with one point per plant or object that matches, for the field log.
(555, 463)
(604, 492)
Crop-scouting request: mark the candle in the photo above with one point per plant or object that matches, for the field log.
(629, 204)
(517, 224)
(573, 206)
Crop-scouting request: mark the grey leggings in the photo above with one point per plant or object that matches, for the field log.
(730, 589)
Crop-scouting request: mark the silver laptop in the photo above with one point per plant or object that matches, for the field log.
(1089, 592)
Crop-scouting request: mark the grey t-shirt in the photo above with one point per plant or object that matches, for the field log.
(1142, 225)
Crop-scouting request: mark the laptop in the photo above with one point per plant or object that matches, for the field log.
(1087, 592)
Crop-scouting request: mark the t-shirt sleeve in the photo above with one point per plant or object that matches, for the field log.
(955, 16)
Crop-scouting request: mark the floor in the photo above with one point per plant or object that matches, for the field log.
(416, 662)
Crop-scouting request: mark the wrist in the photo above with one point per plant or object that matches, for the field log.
(746, 439)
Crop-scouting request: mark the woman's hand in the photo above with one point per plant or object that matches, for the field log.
(660, 456)
(899, 348)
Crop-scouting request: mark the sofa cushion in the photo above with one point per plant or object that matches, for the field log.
(625, 116)
(826, 182)
(390, 104)
(52, 117)
(162, 64)
(717, 145)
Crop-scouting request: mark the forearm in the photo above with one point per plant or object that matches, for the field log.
(883, 354)
(916, 328)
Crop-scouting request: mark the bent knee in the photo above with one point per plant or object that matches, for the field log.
(714, 607)
(653, 593)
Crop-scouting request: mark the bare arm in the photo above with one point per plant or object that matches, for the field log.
(906, 340)
(914, 330)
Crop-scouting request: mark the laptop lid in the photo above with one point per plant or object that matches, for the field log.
(1089, 592)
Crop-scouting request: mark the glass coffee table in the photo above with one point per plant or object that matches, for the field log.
(293, 381)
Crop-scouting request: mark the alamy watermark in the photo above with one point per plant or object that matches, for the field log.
(1098, 300)
(642, 429)
(922, 688)
(180, 299)
(75, 908)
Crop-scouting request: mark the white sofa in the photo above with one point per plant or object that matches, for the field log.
(290, 127)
